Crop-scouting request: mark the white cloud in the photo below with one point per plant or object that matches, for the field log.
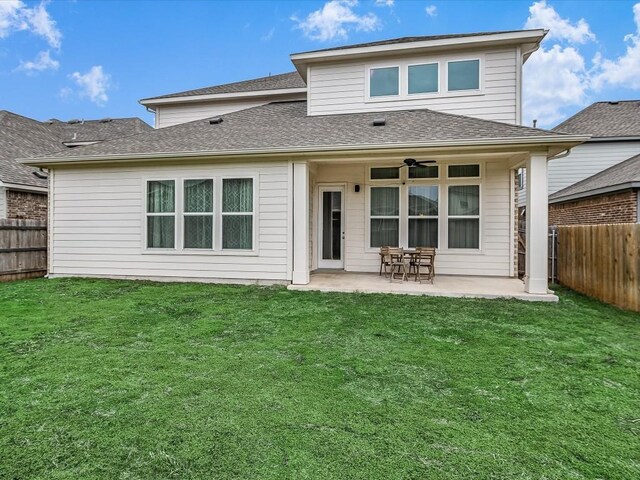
(43, 61)
(93, 84)
(9, 16)
(553, 80)
(624, 71)
(269, 35)
(16, 16)
(542, 15)
(385, 3)
(431, 10)
(334, 20)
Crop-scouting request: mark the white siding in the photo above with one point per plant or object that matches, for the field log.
(3, 202)
(341, 88)
(98, 225)
(173, 114)
(584, 161)
(493, 257)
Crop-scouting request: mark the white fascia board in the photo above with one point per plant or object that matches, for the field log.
(520, 37)
(222, 96)
(24, 188)
(539, 143)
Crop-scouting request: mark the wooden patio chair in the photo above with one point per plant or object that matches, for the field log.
(423, 264)
(396, 263)
(384, 260)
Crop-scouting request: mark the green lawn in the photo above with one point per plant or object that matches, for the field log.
(117, 379)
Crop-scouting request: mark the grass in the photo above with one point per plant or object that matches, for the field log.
(116, 379)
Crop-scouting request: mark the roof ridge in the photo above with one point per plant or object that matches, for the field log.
(221, 85)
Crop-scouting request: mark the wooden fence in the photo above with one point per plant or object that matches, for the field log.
(23, 249)
(602, 261)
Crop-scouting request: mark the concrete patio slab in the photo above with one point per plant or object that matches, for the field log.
(443, 286)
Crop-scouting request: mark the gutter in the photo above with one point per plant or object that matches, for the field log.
(306, 151)
(596, 192)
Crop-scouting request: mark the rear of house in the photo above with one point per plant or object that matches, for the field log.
(409, 142)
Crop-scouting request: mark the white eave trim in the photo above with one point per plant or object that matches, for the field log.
(24, 188)
(596, 192)
(519, 37)
(222, 96)
(533, 142)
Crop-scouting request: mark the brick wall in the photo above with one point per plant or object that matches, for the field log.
(614, 208)
(26, 205)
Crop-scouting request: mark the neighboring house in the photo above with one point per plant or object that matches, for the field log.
(615, 136)
(610, 196)
(23, 189)
(272, 192)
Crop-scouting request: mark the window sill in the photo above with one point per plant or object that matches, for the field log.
(208, 253)
(425, 96)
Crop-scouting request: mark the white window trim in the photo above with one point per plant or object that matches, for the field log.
(146, 214)
(425, 94)
(211, 214)
(179, 213)
(378, 180)
(478, 90)
(384, 98)
(424, 217)
(455, 164)
(393, 217)
(254, 238)
(463, 217)
(443, 182)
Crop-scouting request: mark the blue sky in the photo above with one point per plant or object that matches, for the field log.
(93, 59)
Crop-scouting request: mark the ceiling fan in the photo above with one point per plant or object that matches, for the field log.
(412, 162)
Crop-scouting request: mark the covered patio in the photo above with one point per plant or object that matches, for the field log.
(443, 286)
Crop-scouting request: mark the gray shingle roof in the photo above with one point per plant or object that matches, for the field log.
(286, 126)
(421, 38)
(620, 176)
(24, 137)
(272, 82)
(605, 119)
(99, 130)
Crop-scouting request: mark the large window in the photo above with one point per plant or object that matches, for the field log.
(237, 213)
(464, 216)
(161, 214)
(385, 217)
(384, 81)
(423, 216)
(463, 75)
(198, 213)
(423, 78)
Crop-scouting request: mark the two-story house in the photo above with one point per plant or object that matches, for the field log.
(406, 142)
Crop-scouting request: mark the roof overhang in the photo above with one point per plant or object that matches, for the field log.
(551, 145)
(151, 102)
(528, 40)
(596, 192)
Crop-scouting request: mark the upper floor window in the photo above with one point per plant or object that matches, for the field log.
(384, 81)
(463, 75)
(423, 78)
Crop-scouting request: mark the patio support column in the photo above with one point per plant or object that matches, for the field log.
(537, 224)
(300, 275)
